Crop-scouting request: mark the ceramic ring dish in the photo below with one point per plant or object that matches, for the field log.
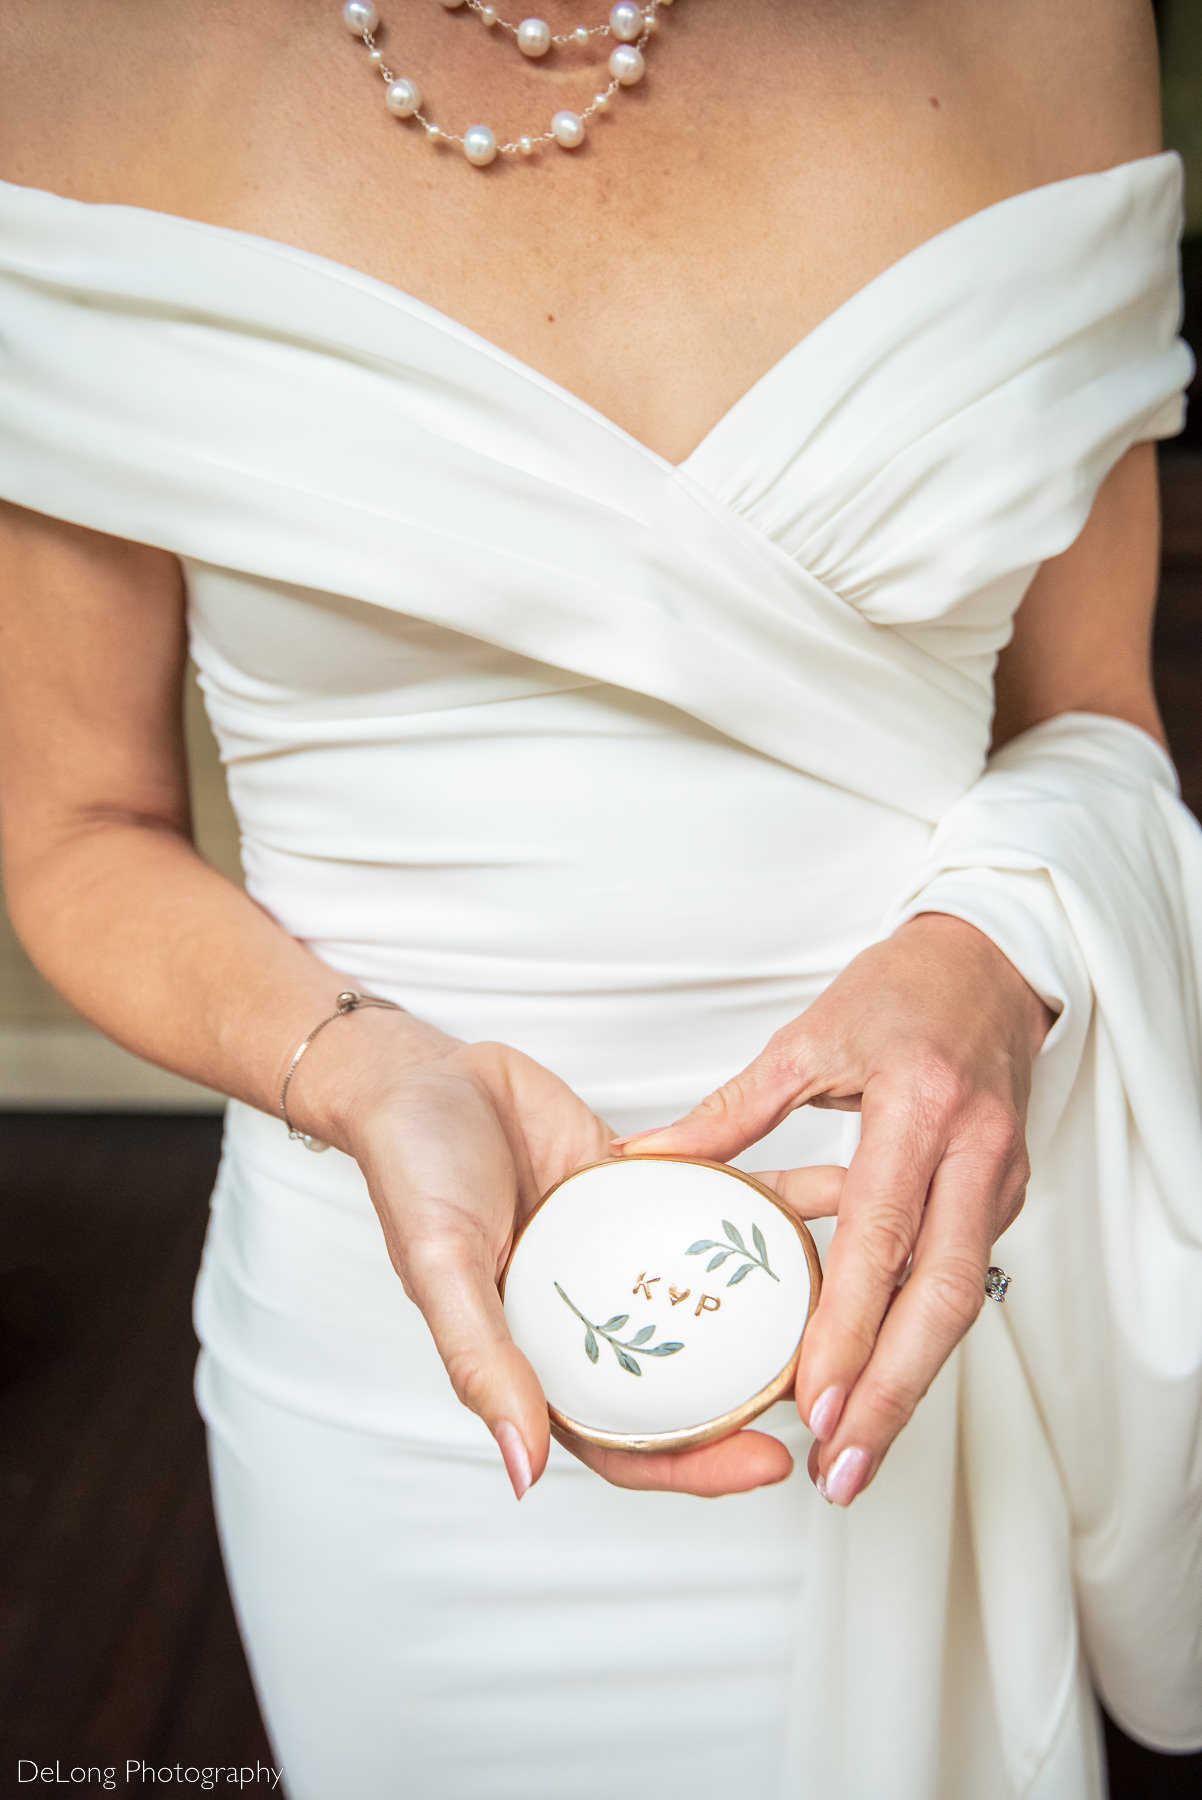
(661, 1300)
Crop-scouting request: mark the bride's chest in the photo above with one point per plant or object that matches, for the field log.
(772, 161)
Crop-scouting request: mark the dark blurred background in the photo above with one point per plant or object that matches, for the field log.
(116, 1634)
(1180, 26)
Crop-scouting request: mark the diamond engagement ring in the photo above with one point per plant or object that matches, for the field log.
(996, 1283)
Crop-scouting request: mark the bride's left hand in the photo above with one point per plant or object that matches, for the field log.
(931, 1036)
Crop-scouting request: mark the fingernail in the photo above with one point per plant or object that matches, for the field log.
(517, 1459)
(820, 1484)
(847, 1477)
(619, 1144)
(824, 1414)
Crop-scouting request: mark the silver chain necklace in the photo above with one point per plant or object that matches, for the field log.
(630, 24)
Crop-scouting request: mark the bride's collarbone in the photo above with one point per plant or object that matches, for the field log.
(657, 271)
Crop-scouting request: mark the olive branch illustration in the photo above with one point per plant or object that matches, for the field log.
(734, 1247)
(640, 1343)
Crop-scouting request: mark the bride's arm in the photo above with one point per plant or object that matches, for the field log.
(1083, 634)
(167, 957)
(105, 889)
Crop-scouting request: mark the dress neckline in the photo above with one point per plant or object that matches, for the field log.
(1044, 193)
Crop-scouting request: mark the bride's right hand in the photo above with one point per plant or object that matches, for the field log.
(457, 1148)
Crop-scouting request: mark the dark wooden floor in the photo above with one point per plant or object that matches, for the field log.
(116, 1635)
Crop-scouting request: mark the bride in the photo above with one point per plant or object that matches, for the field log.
(671, 577)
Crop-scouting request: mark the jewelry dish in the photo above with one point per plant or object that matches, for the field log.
(660, 1300)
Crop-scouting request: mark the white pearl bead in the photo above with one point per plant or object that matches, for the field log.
(626, 65)
(567, 128)
(433, 132)
(403, 98)
(626, 21)
(650, 24)
(360, 16)
(479, 145)
(580, 35)
(526, 146)
(601, 101)
(534, 37)
(375, 58)
(489, 15)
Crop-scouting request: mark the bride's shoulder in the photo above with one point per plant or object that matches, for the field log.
(1080, 77)
(89, 93)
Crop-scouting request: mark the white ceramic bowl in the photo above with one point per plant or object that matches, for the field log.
(661, 1301)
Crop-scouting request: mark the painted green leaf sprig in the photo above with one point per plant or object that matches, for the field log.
(626, 1350)
(735, 1246)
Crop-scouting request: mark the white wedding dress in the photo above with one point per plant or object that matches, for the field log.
(620, 762)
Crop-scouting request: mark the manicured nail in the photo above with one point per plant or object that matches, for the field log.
(517, 1460)
(820, 1484)
(824, 1414)
(847, 1477)
(619, 1144)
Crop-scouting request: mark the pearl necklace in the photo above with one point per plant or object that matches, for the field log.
(631, 24)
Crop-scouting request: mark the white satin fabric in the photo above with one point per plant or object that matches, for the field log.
(620, 762)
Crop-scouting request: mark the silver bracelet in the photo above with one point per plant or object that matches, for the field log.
(348, 1001)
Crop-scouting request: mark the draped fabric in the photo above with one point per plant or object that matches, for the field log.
(620, 761)
(1075, 855)
(907, 465)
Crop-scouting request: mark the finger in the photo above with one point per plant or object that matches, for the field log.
(880, 1211)
(973, 1189)
(740, 1112)
(453, 1281)
(810, 1193)
(734, 1465)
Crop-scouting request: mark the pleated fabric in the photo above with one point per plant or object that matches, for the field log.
(621, 761)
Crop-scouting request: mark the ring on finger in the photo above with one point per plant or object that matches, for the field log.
(996, 1283)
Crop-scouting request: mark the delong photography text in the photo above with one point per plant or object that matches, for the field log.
(137, 1773)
